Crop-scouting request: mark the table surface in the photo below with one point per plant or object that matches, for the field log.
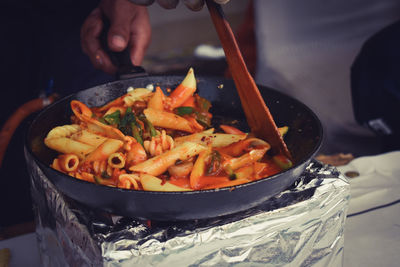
(372, 230)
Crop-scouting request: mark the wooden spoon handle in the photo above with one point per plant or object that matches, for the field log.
(257, 113)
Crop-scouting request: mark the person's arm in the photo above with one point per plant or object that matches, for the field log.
(129, 27)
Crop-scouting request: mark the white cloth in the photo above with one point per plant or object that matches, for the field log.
(372, 232)
(306, 48)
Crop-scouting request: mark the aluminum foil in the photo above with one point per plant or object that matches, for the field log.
(302, 226)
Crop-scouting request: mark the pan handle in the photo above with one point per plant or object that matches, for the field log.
(125, 68)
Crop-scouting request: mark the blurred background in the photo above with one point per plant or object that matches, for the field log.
(182, 38)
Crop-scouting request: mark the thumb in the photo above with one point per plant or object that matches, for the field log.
(118, 34)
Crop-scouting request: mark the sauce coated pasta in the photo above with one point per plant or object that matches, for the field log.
(147, 140)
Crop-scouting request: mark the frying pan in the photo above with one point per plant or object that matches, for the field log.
(303, 140)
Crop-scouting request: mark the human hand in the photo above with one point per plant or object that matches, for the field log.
(194, 5)
(129, 27)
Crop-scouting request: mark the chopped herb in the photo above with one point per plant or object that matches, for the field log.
(102, 121)
(136, 132)
(203, 119)
(181, 111)
(113, 118)
(149, 126)
(215, 163)
(202, 103)
(125, 124)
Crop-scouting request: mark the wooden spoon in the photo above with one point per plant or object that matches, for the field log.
(257, 113)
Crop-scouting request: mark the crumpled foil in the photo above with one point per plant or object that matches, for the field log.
(302, 226)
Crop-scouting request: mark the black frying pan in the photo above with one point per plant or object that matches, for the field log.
(303, 140)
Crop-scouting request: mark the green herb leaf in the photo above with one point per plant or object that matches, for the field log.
(113, 118)
(136, 133)
(215, 163)
(149, 126)
(203, 104)
(181, 111)
(126, 121)
(203, 119)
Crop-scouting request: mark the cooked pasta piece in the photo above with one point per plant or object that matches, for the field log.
(184, 90)
(214, 139)
(116, 160)
(63, 131)
(152, 183)
(159, 144)
(103, 151)
(250, 157)
(68, 162)
(199, 169)
(135, 155)
(157, 100)
(167, 120)
(182, 169)
(129, 181)
(66, 145)
(136, 95)
(101, 166)
(86, 137)
(159, 164)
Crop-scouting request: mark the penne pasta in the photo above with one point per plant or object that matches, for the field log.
(68, 162)
(215, 140)
(89, 138)
(151, 183)
(66, 145)
(137, 94)
(167, 120)
(184, 90)
(116, 160)
(157, 100)
(159, 164)
(250, 157)
(103, 151)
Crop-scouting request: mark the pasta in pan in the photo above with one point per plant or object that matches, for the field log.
(147, 140)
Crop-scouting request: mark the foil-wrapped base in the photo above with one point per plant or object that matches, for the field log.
(302, 226)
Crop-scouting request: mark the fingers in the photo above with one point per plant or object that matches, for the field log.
(142, 2)
(221, 2)
(90, 43)
(140, 36)
(118, 34)
(168, 4)
(195, 5)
